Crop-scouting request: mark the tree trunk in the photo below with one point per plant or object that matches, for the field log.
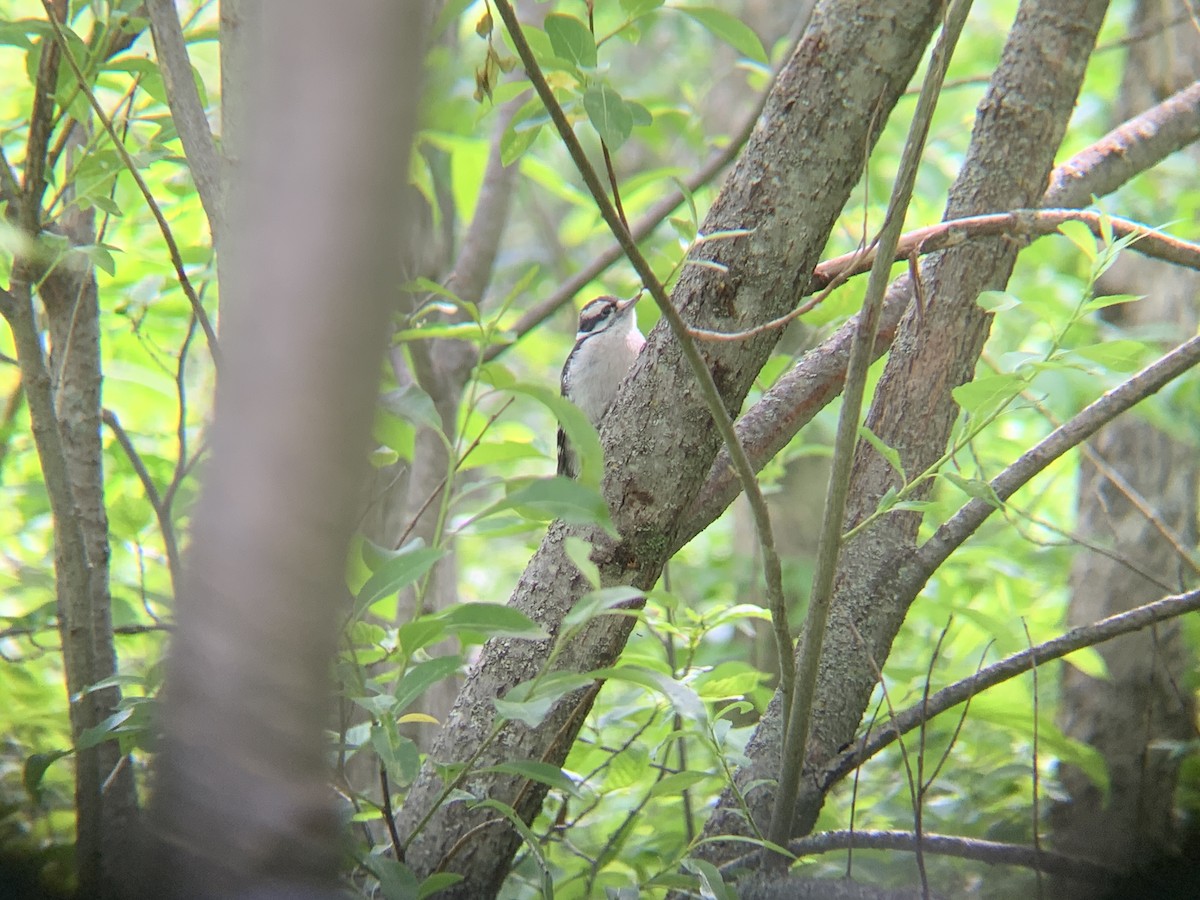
(1130, 471)
(242, 804)
(1019, 126)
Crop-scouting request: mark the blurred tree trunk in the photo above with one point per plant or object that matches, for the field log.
(241, 803)
(1131, 469)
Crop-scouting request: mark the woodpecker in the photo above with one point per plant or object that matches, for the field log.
(606, 345)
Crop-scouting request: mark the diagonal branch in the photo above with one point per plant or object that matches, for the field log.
(764, 430)
(187, 111)
(1011, 666)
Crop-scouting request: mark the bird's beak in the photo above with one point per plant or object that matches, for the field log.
(623, 305)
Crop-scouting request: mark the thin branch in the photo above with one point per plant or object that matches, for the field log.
(1079, 428)
(1132, 147)
(991, 852)
(41, 123)
(187, 112)
(10, 188)
(168, 237)
(1035, 817)
(1010, 667)
(161, 511)
(1020, 223)
(797, 723)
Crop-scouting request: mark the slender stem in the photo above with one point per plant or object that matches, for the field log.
(800, 718)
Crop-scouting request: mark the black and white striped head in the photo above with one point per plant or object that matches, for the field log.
(602, 314)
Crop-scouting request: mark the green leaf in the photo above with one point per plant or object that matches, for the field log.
(974, 487)
(711, 882)
(635, 9)
(396, 574)
(996, 301)
(1106, 300)
(733, 31)
(728, 680)
(597, 602)
(580, 432)
(35, 768)
(417, 680)
(1118, 355)
(1089, 661)
(1081, 236)
(492, 619)
(682, 697)
(541, 772)
(513, 143)
(987, 393)
(414, 406)
(98, 734)
(609, 114)
(571, 40)
(419, 633)
(641, 115)
(675, 784)
(531, 701)
(99, 256)
(396, 880)
(891, 454)
(546, 499)
(436, 882)
(398, 754)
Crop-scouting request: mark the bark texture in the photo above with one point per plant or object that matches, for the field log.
(1133, 470)
(1018, 127)
(242, 805)
(791, 182)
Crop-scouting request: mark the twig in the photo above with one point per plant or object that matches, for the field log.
(1037, 839)
(41, 121)
(991, 852)
(388, 817)
(161, 511)
(1078, 429)
(1020, 223)
(914, 781)
(644, 226)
